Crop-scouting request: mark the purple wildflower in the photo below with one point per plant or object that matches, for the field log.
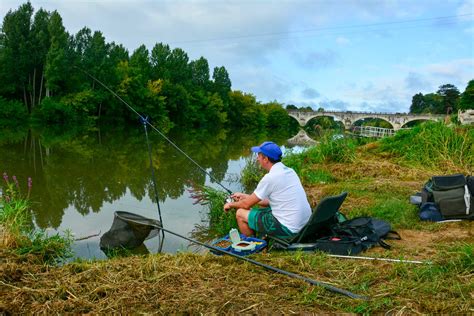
(5, 177)
(30, 184)
(16, 182)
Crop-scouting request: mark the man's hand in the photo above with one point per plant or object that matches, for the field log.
(227, 206)
(237, 196)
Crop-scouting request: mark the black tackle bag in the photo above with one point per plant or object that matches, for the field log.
(356, 235)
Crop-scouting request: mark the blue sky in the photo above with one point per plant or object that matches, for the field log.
(365, 55)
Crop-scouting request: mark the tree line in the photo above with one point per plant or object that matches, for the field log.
(446, 100)
(42, 79)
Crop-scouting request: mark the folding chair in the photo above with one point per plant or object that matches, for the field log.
(323, 217)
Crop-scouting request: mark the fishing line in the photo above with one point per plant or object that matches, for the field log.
(154, 128)
(153, 178)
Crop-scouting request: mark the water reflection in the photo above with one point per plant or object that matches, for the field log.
(81, 179)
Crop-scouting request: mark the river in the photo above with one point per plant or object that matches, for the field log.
(81, 179)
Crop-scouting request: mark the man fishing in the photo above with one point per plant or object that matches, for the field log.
(278, 206)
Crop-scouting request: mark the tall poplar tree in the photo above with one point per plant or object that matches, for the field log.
(56, 69)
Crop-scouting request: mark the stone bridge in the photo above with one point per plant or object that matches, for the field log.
(397, 120)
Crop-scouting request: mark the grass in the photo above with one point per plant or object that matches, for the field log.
(434, 145)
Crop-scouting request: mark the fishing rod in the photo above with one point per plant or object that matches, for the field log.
(154, 128)
(327, 286)
(379, 259)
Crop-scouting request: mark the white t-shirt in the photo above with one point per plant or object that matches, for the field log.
(282, 187)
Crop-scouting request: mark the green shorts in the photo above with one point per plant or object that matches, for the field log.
(262, 221)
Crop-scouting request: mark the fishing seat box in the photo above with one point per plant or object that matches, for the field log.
(260, 244)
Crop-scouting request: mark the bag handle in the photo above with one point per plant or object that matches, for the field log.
(393, 235)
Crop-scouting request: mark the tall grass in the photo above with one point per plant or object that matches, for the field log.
(220, 222)
(19, 233)
(434, 145)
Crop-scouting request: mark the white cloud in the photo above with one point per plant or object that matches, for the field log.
(455, 69)
(315, 59)
(465, 9)
(341, 40)
(416, 81)
(310, 93)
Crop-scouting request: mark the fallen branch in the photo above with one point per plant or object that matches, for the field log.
(87, 237)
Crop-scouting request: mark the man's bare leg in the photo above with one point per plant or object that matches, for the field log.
(242, 216)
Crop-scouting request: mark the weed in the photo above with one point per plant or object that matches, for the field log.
(52, 249)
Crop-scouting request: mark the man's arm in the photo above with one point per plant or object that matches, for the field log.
(264, 203)
(245, 202)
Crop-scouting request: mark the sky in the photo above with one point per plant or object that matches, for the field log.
(344, 55)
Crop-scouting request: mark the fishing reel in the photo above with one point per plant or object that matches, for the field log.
(229, 199)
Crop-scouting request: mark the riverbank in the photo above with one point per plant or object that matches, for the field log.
(379, 185)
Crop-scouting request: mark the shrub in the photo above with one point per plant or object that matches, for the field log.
(11, 112)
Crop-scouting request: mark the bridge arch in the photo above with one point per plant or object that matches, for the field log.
(304, 120)
(295, 118)
(359, 118)
(418, 119)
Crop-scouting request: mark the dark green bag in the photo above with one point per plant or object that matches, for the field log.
(452, 196)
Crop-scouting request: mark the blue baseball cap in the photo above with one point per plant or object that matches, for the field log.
(269, 149)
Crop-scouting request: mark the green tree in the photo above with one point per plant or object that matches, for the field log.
(276, 116)
(467, 97)
(417, 103)
(160, 55)
(244, 112)
(433, 103)
(200, 73)
(178, 67)
(450, 97)
(41, 41)
(16, 58)
(140, 63)
(177, 103)
(222, 84)
(214, 111)
(56, 69)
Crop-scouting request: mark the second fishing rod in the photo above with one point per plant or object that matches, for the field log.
(145, 121)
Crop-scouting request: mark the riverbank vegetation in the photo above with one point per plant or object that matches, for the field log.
(18, 232)
(379, 180)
